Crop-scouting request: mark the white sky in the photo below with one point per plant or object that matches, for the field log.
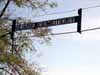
(72, 54)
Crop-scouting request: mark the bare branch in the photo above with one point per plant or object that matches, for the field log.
(6, 71)
(4, 9)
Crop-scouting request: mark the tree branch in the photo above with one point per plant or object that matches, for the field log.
(17, 70)
(6, 71)
(4, 9)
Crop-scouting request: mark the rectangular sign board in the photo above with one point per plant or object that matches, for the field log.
(48, 23)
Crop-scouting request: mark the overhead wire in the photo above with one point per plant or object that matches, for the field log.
(90, 7)
(85, 30)
(63, 33)
(71, 32)
(67, 11)
(61, 12)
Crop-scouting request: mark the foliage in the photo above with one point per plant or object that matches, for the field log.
(34, 3)
(14, 63)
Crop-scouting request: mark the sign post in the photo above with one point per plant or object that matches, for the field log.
(13, 29)
(12, 34)
(79, 21)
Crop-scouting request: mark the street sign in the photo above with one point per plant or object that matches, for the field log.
(55, 22)
(47, 23)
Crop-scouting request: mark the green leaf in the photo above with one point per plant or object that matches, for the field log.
(19, 2)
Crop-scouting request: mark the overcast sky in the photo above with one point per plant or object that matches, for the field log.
(72, 54)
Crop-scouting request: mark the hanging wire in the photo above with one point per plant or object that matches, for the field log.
(61, 12)
(90, 7)
(64, 33)
(67, 11)
(86, 8)
(85, 30)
